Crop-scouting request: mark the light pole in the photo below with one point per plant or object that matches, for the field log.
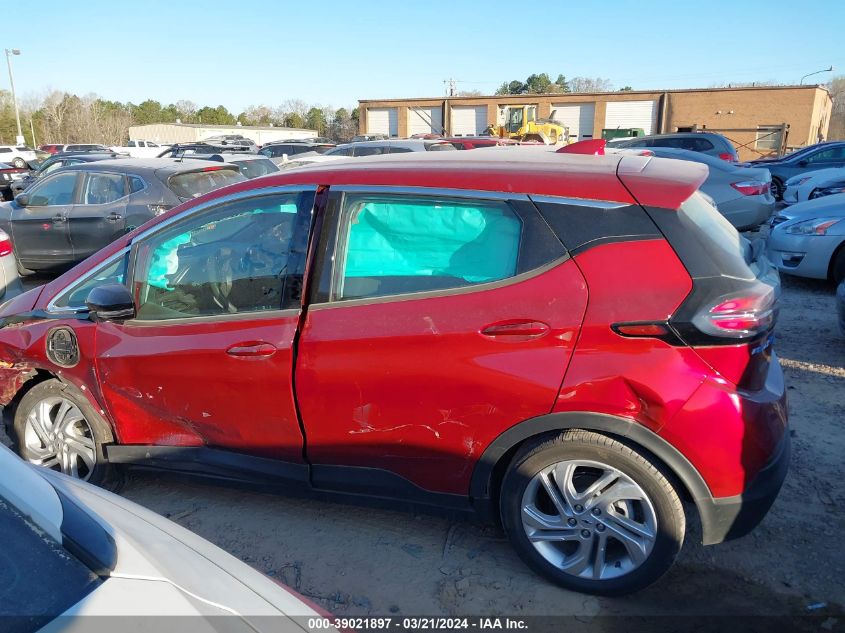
(824, 70)
(9, 53)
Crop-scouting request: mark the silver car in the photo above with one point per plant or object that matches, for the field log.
(742, 194)
(10, 281)
(72, 551)
(391, 146)
(808, 239)
(814, 184)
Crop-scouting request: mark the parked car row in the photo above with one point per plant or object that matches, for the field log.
(208, 339)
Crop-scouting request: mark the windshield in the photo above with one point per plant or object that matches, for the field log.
(255, 168)
(193, 184)
(41, 579)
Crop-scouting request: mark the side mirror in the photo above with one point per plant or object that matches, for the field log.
(803, 163)
(110, 302)
(22, 199)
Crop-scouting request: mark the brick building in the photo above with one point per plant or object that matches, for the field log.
(745, 115)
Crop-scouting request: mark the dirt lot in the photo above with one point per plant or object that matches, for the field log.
(357, 561)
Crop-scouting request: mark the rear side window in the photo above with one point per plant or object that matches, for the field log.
(370, 150)
(197, 183)
(136, 184)
(397, 245)
(440, 147)
(102, 188)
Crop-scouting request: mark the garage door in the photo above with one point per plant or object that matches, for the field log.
(625, 114)
(425, 120)
(383, 121)
(578, 117)
(469, 120)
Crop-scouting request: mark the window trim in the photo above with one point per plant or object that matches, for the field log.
(324, 268)
(132, 249)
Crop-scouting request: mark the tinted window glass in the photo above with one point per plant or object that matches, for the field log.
(136, 184)
(368, 150)
(255, 168)
(102, 188)
(111, 273)
(392, 245)
(58, 190)
(196, 183)
(399, 150)
(440, 147)
(5, 150)
(229, 261)
(131, 144)
(832, 155)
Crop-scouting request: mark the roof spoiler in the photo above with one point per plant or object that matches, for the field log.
(660, 182)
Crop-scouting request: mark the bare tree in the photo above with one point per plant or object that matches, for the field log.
(589, 84)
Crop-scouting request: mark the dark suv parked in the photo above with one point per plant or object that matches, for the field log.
(567, 345)
(75, 211)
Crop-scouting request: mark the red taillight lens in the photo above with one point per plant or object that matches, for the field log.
(751, 187)
(741, 315)
(594, 147)
(728, 157)
(5, 244)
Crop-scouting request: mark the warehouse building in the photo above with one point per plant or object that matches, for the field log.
(759, 120)
(168, 133)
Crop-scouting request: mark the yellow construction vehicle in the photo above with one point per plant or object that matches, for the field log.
(521, 123)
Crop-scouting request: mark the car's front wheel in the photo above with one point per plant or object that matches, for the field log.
(55, 428)
(591, 513)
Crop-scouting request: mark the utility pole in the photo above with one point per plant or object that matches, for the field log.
(9, 53)
(452, 87)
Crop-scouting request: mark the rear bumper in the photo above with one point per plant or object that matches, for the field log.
(727, 518)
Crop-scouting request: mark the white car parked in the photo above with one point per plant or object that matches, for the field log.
(72, 550)
(814, 184)
(20, 156)
(140, 149)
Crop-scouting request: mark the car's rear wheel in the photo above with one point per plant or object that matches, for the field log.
(55, 428)
(591, 513)
(20, 163)
(777, 189)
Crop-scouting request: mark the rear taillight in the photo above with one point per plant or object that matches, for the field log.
(5, 244)
(751, 187)
(740, 315)
(728, 157)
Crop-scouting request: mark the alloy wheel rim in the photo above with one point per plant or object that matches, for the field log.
(57, 436)
(588, 519)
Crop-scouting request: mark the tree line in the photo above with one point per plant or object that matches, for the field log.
(61, 117)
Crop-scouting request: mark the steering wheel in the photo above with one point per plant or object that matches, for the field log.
(222, 266)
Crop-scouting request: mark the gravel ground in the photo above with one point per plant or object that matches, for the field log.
(357, 561)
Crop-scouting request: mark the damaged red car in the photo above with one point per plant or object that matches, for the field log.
(574, 347)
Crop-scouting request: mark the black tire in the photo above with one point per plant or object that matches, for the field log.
(837, 265)
(103, 474)
(593, 447)
(777, 189)
(20, 163)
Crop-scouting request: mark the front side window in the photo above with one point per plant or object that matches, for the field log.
(232, 260)
(102, 188)
(56, 191)
(113, 272)
(395, 244)
(832, 155)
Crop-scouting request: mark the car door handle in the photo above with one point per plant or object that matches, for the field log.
(524, 329)
(114, 216)
(59, 218)
(252, 350)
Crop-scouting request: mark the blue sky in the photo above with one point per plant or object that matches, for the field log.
(334, 53)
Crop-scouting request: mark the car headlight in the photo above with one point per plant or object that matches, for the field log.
(827, 191)
(816, 226)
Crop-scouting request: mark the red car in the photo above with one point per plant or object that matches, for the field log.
(569, 345)
(51, 148)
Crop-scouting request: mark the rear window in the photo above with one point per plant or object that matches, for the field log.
(715, 242)
(440, 147)
(194, 184)
(255, 168)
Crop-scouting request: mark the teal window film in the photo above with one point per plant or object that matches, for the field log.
(403, 244)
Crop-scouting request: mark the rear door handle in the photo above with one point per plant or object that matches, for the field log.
(523, 329)
(252, 350)
(59, 218)
(114, 216)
